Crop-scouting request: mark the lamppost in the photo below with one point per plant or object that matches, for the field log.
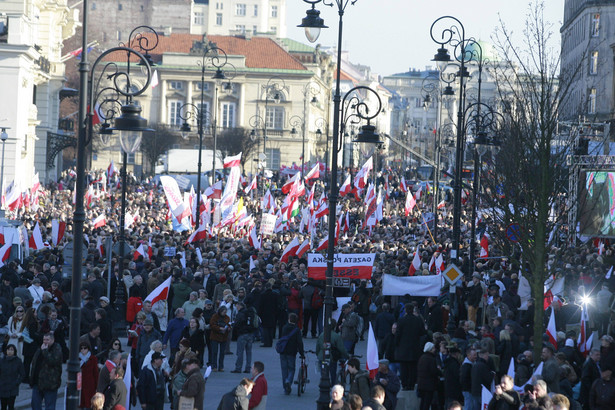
(218, 59)
(3, 136)
(313, 24)
(309, 89)
(273, 90)
(130, 126)
(258, 123)
(321, 124)
(296, 121)
(453, 34)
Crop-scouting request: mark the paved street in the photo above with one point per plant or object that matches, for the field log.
(220, 383)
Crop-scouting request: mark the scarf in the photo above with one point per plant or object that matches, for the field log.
(83, 358)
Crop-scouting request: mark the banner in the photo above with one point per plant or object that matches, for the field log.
(230, 192)
(411, 285)
(268, 224)
(174, 197)
(353, 265)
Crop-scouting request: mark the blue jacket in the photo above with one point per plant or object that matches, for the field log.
(174, 332)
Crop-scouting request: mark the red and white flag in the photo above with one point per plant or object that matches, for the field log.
(36, 239)
(111, 170)
(484, 246)
(371, 361)
(346, 188)
(416, 263)
(140, 251)
(361, 178)
(57, 231)
(251, 186)
(305, 246)
(268, 201)
(286, 188)
(410, 203)
(584, 348)
(214, 191)
(198, 235)
(442, 204)
(233, 161)
(551, 330)
(402, 185)
(291, 250)
(314, 173)
(160, 293)
(99, 246)
(254, 239)
(100, 221)
(5, 253)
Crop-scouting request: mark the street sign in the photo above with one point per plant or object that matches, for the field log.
(341, 282)
(513, 232)
(127, 248)
(67, 253)
(262, 156)
(452, 274)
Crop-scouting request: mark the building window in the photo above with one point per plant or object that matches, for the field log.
(202, 85)
(130, 158)
(254, 29)
(275, 118)
(273, 29)
(119, 7)
(142, 8)
(241, 28)
(176, 85)
(273, 158)
(240, 9)
(205, 114)
(595, 26)
(228, 115)
(119, 35)
(593, 63)
(255, 10)
(274, 11)
(93, 6)
(199, 18)
(174, 112)
(219, 6)
(591, 109)
(218, 19)
(418, 102)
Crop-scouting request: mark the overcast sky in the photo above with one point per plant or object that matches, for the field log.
(393, 35)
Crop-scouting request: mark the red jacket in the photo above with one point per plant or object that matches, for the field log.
(258, 391)
(294, 302)
(133, 307)
(89, 377)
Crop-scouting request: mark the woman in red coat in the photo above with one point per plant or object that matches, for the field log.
(133, 306)
(89, 375)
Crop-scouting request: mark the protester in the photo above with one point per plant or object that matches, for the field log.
(237, 399)
(116, 393)
(151, 384)
(194, 386)
(11, 374)
(46, 374)
(258, 397)
(288, 355)
(220, 326)
(89, 374)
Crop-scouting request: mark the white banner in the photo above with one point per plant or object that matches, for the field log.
(230, 192)
(411, 285)
(268, 224)
(350, 265)
(174, 197)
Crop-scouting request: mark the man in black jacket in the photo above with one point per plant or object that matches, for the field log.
(244, 329)
(410, 330)
(475, 295)
(481, 375)
(289, 354)
(505, 397)
(150, 386)
(589, 374)
(466, 377)
(115, 394)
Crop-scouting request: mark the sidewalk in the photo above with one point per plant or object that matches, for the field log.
(220, 383)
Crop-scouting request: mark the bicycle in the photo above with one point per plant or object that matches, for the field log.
(302, 376)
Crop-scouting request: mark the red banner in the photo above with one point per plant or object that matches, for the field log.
(353, 266)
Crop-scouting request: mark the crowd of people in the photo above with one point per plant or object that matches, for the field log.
(224, 292)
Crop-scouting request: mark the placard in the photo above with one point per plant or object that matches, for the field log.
(169, 251)
(268, 224)
(352, 265)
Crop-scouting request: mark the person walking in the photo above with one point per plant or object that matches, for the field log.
(220, 326)
(173, 334)
(410, 330)
(428, 376)
(116, 394)
(89, 372)
(151, 384)
(288, 354)
(244, 329)
(194, 386)
(11, 374)
(46, 374)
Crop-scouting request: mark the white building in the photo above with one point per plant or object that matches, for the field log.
(31, 77)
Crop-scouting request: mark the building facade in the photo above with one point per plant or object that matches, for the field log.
(32, 77)
(224, 17)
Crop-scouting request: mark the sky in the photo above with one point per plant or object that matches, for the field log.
(392, 36)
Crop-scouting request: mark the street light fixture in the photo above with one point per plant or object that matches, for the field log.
(273, 92)
(313, 24)
(3, 136)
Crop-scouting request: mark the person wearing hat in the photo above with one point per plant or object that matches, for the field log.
(145, 339)
(428, 376)
(151, 384)
(475, 295)
(389, 382)
(36, 291)
(481, 375)
(451, 371)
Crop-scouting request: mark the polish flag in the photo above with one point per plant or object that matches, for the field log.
(314, 173)
(440, 266)
(305, 246)
(198, 235)
(464, 197)
(140, 251)
(154, 84)
(551, 330)
(99, 246)
(234, 161)
(410, 203)
(36, 239)
(100, 221)
(417, 195)
(254, 239)
(291, 181)
(324, 244)
(89, 196)
(371, 361)
(160, 293)
(5, 253)
(291, 250)
(214, 191)
(57, 231)
(361, 178)
(402, 185)
(416, 263)
(111, 170)
(252, 264)
(432, 262)
(346, 188)
(251, 186)
(584, 348)
(268, 201)
(442, 204)
(484, 247)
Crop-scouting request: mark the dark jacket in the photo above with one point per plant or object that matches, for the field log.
(427, 372)
(295, 343)
(11, 375)
(551, 375)
(465, 375)
(391, 389)
(452, 383)
(589, 374)
(146, 386)
(115, 394)
(46, 369)
(241, 326)
(481, 376)
(372, 404)
(508, 400)
(194, 386)
(383, 324)
(602, 395)
(268, 308)
(236, 399)
(197, 340)
(143, 343)
(359, 384)
(410, 329)
(433, 317)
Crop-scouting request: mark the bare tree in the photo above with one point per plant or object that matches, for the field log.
(232, 141)
(155, 144)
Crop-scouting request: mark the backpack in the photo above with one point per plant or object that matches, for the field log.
(280, 345)
(359, 329)
(317, 299)
(254, 321)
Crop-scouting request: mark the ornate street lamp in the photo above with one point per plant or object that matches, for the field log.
(274, 92)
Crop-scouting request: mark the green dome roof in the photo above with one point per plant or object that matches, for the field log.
(489, 51)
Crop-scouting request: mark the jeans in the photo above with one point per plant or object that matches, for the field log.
(218, 349)
(50, 397)
(468, 401)
(287, 361)
(244, 342)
